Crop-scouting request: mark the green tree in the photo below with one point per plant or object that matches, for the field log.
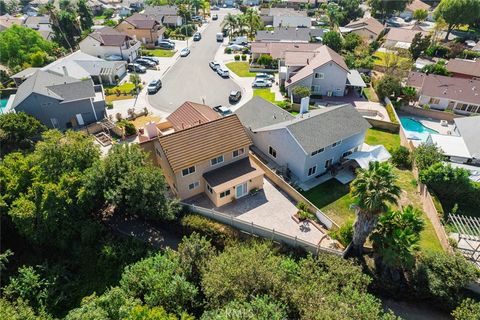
(231, 23)
(409, 94)
(396, 242)
(385, 8)
(373, 189)
(301, 92)
(402, 158)
(85, 15)
(3, 8)
(388, 86)
(457, 12)
(17, 131)
(436, 68)
(427, 155)
(194, 252)
(469, 309)
(252, 21)
(352, 41)
(419, 44)
(333, 40)
(260, 308)
(67, 31)
(17, 310)
(420, 15)
(351, 11)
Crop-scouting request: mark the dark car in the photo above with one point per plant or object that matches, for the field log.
(146, 63)
(235, 96)
(166, 45)
(135, 67)
(224, 111)
(153, 59)
(215, 17)
(154, 86)
(197, 36)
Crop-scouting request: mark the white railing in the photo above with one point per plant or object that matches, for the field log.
(263, 232)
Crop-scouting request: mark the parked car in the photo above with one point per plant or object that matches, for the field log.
(265, 76)
(236, 47)
(261, 83)
(153, 59)
(223, 72)
(154, 86)
(219, 37)
(197, 36)
(166, 45)
(241, 40)
(214, 65)
(215, 8)
(146, 63)
(235, 96)
(184, 52)
(224, 111)
(135, 67)
(215, 16)
(197, 18)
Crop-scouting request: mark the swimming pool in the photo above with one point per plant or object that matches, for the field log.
(3, 104)
(415, 130)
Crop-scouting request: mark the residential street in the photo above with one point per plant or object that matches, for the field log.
(191, 78)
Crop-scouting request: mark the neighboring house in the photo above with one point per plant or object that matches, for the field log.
(298, 4)
(110, 44)
(414, 6)
(285, 34)
(142, 27)
(124, 11)
(400, 38)
(462, 68)
(463, 146)
(210, 158)
(42, 24)
(323, 71)
(460, 95)
(277, 49)
(285, 17)
(306, 146)
(59, 101)
(6, 21)
(191, 114)
(367, 28)
(167, 15)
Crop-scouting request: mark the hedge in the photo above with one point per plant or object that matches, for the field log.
(391, 113)
(219, 233)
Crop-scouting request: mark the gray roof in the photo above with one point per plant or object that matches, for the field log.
(25, 73)
(322, 127)
(55, 86)
(258, 113)
(469, 129)
(284, 34)
(161, 10)
(229, 172)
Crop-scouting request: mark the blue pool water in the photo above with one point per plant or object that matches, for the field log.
(3, 103)
(415, 130)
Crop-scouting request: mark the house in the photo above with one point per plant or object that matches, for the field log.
(142, 27)
(367, 28)
(415, 5)
(460, 95)
(191, 114)
(42, 24)
(463, 146)
(463, 68)
(285, 17)
(277, 49)
(401, 38)
(6, 21)
(210, 158)
(167, 15)
(286, 34)
(124, 11)
(306, 146)
(323, 71)
(301, 4)
(110, 44)
(59, 101)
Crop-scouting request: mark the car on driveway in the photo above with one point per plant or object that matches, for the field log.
(236, 47)
(214, 8)
(215, 16)
(265, 76)
(223, 72)
(135, 67)
(214, 65)
(154, 86)
(153, 59)
(166, 45)
(235, 96)
(261, 83)
(197, 36)
(146, 63)
(224, 111)
(184, 52)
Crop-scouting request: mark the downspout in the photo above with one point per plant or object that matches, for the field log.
(93, 109)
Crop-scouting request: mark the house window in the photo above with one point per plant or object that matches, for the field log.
(187, 171)
(318, 151)
(315, 89)
(336, 143)
(224, 194)
(328, 163)
(312, 171)
(434, 101)
(238, 152)
(209, 188)
(272, 152)
(216, 160)
(194, 185)
(346, 154)
(319, 75)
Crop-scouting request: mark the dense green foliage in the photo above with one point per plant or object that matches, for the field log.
(457, 12)
(85, 15)
(388, 86)
(419, 44)
(401, 158)
(437, 68)
(333, 40)
(384, 8)
(17, 131)
(467, 310)
(427, 155)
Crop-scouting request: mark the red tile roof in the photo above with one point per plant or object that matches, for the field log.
(191, 114)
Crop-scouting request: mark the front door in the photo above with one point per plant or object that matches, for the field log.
(241, 190)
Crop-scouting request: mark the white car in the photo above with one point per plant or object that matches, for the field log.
(223, 72)
(265, 76)
(261, 83)
(214, 65)
(236, 47)
(184, 52)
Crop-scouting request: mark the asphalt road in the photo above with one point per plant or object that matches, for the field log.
(191, 78)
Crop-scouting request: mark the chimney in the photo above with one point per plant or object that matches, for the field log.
(65, 72)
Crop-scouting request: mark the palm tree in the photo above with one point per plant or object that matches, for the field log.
(373, 189)
(53, 13)
(231, 23)
(253, 21)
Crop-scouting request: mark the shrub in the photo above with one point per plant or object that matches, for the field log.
(228, 50)
(237, 57)
(469, 309)
(427, 155)
(301, 92)
(219, 233)
(244, 57)
(388, 87)
(344, 234)
(426, 106)
(401, 158)
(128, 127)
(109, 105)
(391, 113)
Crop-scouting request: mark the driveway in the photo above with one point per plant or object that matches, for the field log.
(191, 79)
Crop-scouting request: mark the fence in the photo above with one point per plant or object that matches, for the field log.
(266, 233)
(430, 113)
(384, 125)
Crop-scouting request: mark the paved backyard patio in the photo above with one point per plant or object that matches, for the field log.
(270, 208)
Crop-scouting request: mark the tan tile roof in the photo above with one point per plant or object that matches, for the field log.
(191, 114)
(142, 21)
(323, 56)
(417, 5)
(402, 34)
(298, 58)
(458, 89)
(370, 24)
(463, 66)
(203, 142)
(109, 36)
(277, 49)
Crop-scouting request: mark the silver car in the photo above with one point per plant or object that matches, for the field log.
(223, 72)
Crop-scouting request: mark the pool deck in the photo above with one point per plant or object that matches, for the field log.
(430, 123)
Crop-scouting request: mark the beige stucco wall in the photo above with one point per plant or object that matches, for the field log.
(366, 34)
(254, 183)
(143, 35)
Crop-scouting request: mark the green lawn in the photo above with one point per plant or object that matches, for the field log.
(161, 53)
(265, 94)
(240, 68)
(100, 17)
(381, 58)
(114, 97)
(390, 140)
(126, 87)
(371, 95)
